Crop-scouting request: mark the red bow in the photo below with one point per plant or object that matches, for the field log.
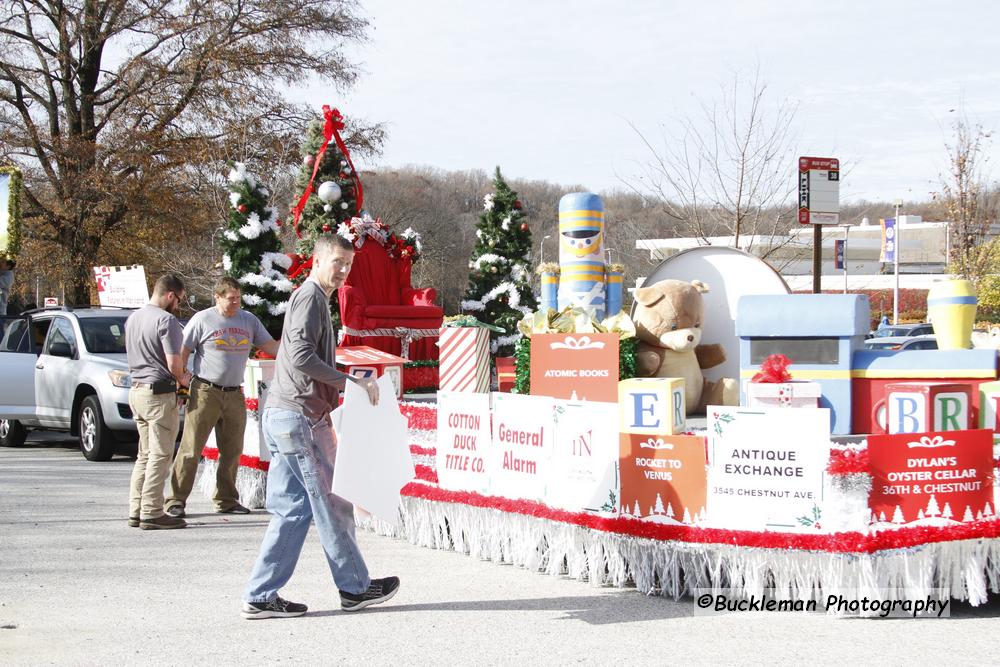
(774, 369)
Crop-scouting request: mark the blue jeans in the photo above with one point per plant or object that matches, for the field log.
(298, 490)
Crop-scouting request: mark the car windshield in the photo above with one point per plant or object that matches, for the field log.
(103, 335)
(872, 345)
(886, 332)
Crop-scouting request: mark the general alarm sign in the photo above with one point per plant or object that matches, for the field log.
(819, 191)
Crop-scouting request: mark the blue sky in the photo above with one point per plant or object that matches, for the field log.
(547, 89)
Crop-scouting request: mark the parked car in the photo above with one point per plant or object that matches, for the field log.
(920, 329)
(902, 343)
(65, 369)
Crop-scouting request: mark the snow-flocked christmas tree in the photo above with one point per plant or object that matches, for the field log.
(499, 291)
(252, 250)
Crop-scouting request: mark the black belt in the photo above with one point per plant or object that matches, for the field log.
(217, 386)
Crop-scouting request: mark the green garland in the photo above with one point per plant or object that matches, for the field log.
(522, 359)
(522, 366)
(421, 363)
(13, 209)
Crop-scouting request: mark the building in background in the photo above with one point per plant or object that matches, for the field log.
(923, 259)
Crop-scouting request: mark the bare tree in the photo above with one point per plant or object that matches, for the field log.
(728, 170)
(969, 201)
(108, 105)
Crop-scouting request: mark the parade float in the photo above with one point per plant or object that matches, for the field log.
(831, 470)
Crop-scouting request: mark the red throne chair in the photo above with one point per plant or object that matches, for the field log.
(379, 308)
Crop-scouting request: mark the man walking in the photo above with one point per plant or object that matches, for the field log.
(6, 281)
(153, 340)
(220, 339)
(303, 448)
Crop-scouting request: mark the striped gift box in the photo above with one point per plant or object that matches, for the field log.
(465, 359)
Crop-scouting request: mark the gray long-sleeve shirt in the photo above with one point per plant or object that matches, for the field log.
(306, 379)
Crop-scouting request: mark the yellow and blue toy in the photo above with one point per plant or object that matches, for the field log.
(583, 278)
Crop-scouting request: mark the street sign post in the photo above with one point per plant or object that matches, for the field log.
(819, 191)
(819, 203)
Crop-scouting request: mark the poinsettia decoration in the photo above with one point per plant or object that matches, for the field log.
(405, 245)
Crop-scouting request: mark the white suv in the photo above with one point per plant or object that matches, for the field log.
(66, 370)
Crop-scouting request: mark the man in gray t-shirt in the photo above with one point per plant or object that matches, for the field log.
(153, 339)
(220, 339)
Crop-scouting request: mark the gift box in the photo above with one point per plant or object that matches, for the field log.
(506, 374)
(795, 394)
(464, 359)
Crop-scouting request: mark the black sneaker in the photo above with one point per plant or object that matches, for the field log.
(379, 590)
(276, 608)
(235, 509)
(176, 511)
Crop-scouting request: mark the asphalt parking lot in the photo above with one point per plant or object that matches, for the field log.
(77, 586)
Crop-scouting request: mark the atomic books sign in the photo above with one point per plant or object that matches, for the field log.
(819, 191)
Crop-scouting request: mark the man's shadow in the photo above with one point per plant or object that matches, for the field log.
(615, 606)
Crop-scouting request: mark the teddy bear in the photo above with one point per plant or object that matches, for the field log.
(668, 322)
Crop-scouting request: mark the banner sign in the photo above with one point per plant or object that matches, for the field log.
(577, 367)
(663, 478)
(888, 254)
(766, 467)
(122, 286)
(464, 441)
(521, 455)
(839, 246)
(584, 457)
(931, 479)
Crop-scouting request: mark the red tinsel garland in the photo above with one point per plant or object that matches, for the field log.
(419, 416)
(417, 450)
(848, 461)
(853, 542)
(426, 474)
(245, 461)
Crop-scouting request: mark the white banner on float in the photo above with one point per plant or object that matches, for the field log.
(464, 441)
(766, 468)
(521, 457)
(122, 286)
(584, 457)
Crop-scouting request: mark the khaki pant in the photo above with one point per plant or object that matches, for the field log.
(226, 412)
(158, 418)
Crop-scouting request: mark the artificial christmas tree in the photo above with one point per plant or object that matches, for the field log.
(331, 190)
(499, 290)
(252, 250)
